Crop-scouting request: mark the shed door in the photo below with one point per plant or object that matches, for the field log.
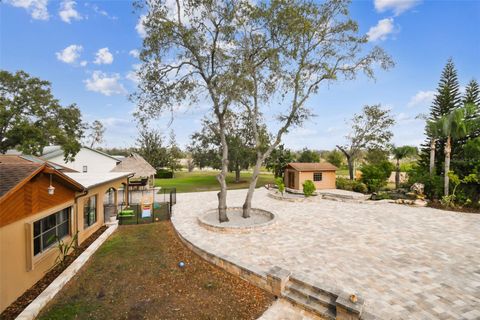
(291, 180)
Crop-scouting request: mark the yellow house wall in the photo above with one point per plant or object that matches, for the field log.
(19, 269)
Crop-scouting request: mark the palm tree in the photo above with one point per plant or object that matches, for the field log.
(400, 153)
(456, 125)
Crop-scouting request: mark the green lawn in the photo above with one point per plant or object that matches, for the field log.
(135, 275)
(206, 181)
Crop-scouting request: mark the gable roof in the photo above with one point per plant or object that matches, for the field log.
(54, 151)
(135, 163)
(16, 170)
(314, 166)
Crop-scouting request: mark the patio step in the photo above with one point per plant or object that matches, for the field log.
(311, 298)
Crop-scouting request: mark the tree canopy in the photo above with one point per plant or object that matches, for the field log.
(31, 118)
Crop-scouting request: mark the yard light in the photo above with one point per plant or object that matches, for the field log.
(51, 189)
(181, 264)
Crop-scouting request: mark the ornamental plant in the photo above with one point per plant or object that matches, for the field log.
(308, 188)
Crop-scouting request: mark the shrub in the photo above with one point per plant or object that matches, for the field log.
(433, 184)
(280, 185)
(375, 175)
(164, 174)
(351, 185)
(360, 187)
(308, 188)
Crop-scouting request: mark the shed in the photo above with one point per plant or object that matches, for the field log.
(137, 164)
(323, 175)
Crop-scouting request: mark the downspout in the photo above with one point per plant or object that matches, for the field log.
(84, 193)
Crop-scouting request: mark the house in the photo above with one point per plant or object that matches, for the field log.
(323, 175)
(38, 201)
(143, 170)
(86, 160)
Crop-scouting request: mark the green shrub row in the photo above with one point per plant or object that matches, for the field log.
(351, 185)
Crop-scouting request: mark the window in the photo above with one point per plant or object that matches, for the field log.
(46, 230)
(84, 169)
(317, 176)
(90, 211)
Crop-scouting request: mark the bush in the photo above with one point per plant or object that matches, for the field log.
(433, 184)
(164, 174)
(351, 185)
(375, 175)
(308, 188)
(360, 187)
(280, 185)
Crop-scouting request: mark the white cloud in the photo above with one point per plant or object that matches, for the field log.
(421, 98)
(83, 63)
(105, 84)
(37, 8)
(380, 32)
(140, 27)
(67, 11)
(397, 6)
(134, 53)
(100, 11)
(103, 56)
(70, 54)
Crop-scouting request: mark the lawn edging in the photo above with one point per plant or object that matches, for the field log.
(34, 308)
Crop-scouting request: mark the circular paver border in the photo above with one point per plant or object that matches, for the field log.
(237, 229)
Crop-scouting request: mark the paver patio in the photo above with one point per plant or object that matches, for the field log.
(407, 262)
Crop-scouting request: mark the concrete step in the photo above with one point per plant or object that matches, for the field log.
(325, 299)
(305, 302)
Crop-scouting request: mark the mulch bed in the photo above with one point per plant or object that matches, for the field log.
(24, 300)
(135, 274)
(438, 205)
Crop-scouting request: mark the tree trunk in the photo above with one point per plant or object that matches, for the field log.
(397, 175)
(432, 156)
(222, 195)
(349, 161)
(237, 174)
(247, 205)
(350, 168)
(448, 150)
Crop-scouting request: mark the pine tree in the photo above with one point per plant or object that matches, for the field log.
(446, 99)
(472, 93)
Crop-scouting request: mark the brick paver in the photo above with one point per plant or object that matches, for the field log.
(408, 263)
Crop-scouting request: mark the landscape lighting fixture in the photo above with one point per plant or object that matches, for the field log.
(51, 189)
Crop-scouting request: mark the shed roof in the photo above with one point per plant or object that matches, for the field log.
(137, 164)
(314, 166)
(16, 170)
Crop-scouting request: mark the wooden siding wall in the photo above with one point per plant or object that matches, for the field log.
(32, 198)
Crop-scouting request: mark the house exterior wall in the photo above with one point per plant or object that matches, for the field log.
(95, 162)
(19, 268)
(328, 179)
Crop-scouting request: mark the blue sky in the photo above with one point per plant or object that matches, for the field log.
(84, 48)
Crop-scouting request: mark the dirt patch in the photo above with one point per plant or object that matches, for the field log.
(135, 275)
(24, 300)
(438, 205)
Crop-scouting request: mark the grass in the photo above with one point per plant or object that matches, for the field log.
(197, 181)
(135, 275)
